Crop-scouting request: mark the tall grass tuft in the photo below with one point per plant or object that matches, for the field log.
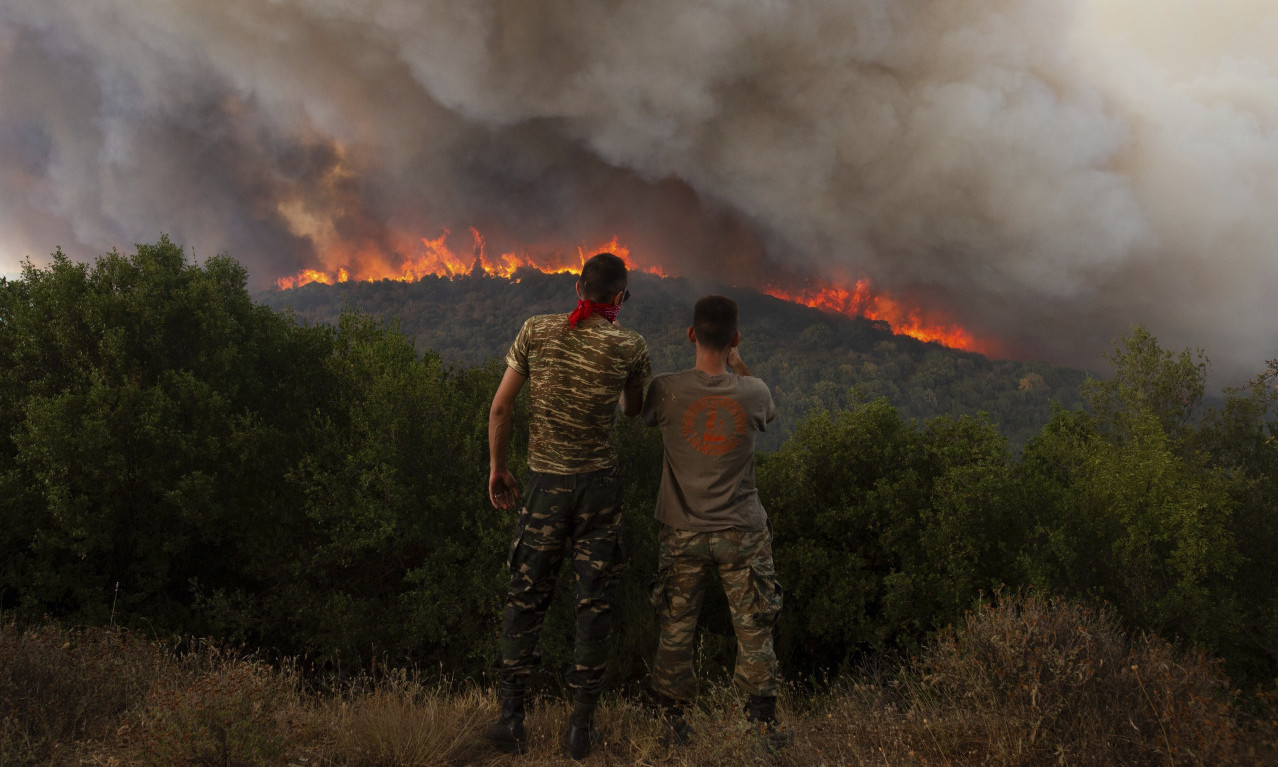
(400, 722)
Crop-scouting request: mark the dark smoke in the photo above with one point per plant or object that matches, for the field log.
(999, 161)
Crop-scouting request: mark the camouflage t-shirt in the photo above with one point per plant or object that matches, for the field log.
(575, 378)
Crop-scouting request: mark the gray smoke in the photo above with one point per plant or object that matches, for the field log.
(998, 162)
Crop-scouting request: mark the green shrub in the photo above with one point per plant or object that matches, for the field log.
(884, 530)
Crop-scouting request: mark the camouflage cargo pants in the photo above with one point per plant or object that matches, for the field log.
(685, 566)
(578, 510)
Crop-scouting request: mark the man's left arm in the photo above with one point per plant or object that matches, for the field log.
(632, 400)
(632, 392)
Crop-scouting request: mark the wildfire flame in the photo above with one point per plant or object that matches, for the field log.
(433, 257)
(864, 301)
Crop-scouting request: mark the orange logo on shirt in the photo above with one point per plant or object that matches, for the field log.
(714, 425)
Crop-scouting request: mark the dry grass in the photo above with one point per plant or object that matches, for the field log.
(401, 721)
(60, 690)
(218, 708)
(1025, 682)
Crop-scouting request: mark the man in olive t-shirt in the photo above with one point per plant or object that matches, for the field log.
(712, 520)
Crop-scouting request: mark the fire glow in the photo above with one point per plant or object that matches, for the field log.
(864, 301)
(434, 258)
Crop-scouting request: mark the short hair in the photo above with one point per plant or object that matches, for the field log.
(602, 277)
(714, 319)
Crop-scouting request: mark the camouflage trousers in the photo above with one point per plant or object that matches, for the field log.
(685, 566)
(562, 511)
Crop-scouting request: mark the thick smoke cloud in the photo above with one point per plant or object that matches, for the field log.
(1005, 163)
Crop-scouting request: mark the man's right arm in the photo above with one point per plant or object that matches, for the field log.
(503, 489)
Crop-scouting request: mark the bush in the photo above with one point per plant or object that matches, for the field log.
(1048, 681)
(885, 529)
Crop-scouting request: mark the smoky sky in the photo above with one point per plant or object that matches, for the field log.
(999, 162)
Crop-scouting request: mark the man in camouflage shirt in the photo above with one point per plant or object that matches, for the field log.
(712, 520)
(578, 367)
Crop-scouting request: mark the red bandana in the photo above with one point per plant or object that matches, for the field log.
(586, 308)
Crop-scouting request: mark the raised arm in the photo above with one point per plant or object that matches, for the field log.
(736, 363)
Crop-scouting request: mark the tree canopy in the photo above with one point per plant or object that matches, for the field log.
(176, 456)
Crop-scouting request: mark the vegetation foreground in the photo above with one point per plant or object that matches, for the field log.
(181, 461)
(1024, 681)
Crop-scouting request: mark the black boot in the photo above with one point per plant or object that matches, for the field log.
(678, 732)
(507, 733)
(761, 711)
(581, 733)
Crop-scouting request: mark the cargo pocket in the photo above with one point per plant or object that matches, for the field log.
(658, 593)
(514, 546)
(621, 557)
(604, 495)
(521, 523)
(516, 541)
(766, 593)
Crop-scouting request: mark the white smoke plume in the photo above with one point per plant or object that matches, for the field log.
(1011, 164)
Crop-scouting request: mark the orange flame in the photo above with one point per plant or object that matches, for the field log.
(433, 257)
(864, 301)
(304, 277)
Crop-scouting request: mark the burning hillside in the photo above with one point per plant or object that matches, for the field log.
(811, 358)
(434, 257)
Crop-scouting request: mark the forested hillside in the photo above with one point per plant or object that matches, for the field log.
(813, 360)
(178, 458)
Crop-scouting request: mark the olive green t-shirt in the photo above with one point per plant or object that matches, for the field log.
(708, 425)
(575, 378)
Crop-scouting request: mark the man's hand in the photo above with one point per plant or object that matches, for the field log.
(736, 363)
(503, 489)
